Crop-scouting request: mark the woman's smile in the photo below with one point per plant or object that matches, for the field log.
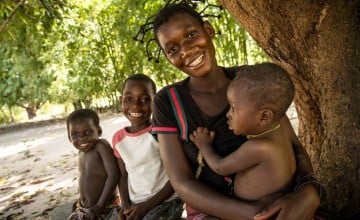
(196, 62)
(135, 114)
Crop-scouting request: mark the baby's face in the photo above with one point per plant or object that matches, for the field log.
(83, 134)
(242, 117)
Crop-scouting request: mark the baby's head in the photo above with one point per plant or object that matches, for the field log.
(83, 128)
(263, 91)
(138, 91)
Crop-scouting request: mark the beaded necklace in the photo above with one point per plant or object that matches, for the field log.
(265, 132)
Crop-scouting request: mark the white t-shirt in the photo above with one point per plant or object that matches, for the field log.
(141, 155)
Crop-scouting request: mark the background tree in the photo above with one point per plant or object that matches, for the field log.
(80, 51)
(318, 42)
(23, 76)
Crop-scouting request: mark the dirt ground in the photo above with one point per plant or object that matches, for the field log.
(38, 175)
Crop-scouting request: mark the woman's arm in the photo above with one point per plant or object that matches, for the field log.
(304, 171)
(303, 203)
(192, 191)
(303, 162)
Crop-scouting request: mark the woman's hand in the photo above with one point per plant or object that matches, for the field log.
(299, 205)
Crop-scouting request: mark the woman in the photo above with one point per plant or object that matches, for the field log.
(200, 100)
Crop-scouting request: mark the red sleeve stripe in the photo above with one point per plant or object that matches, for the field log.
(178, 112)
(164, 129)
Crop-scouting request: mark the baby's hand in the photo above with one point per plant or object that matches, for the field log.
(202, 137)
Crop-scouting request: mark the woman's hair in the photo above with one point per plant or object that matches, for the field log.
(140, 78)
(171, 10)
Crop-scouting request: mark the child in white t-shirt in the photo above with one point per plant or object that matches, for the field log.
(145, 190)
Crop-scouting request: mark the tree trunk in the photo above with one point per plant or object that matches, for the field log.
(318, 43)
(31, 111)
(77, 104)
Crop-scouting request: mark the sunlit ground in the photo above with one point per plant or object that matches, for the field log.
(33, 181)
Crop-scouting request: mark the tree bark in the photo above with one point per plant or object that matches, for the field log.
(318, 43)
(31, 111)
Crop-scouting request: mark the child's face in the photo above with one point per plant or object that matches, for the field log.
(242, 115)
(187, 44)
(83, 134)
(136, 102)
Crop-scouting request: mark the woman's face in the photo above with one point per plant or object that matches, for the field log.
(187, 44)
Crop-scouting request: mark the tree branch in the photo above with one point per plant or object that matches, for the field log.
(12, 14)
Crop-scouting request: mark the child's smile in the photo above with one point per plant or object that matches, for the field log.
(83, 134)
(135, 114)
(136, 103)
(85, 147)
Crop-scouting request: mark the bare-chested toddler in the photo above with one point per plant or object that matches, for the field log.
(98, 170)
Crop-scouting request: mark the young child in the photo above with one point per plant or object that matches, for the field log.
(98, 171)
(145, 190)
(265, 164)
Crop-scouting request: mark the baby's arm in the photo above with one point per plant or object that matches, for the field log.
(194, 192)
(105, 151)
(243, 158)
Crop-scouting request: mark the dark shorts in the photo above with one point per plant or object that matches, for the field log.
(171, 210)
(111, 207)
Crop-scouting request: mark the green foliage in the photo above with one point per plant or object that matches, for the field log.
(80, 51)
(24, 78)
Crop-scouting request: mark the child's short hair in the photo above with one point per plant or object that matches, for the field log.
(142, 78)
(173, 9)
(83, 114)
(267, 84)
